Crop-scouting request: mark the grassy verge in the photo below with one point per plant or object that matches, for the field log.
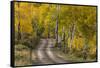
(22, 55)
(71, 57)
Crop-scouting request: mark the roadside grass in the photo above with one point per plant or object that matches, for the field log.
(71, 57)
(22, 55)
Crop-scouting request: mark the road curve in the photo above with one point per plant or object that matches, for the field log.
(51, 53)
(41, 53)
(45, 53)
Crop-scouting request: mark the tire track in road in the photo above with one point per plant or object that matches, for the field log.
(41, 53)
(46, 55)
(51, 54)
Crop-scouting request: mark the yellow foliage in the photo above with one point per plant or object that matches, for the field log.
(23, 16)
(77, 42)
(92, 44)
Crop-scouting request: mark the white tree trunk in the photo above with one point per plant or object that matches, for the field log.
(72, 35)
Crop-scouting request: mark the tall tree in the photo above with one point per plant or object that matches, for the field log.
(19, 31)
(72, 30)
(57, 21)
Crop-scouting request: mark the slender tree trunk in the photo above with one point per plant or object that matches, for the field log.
(57, 20)
(56, 32)
(63, 39)
(72, 35)
(67, 41)
(49, 23)
(48, 30)
(34, 22)
(19, 32)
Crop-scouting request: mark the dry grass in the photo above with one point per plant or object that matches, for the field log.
(72, 57)
(22, 56)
